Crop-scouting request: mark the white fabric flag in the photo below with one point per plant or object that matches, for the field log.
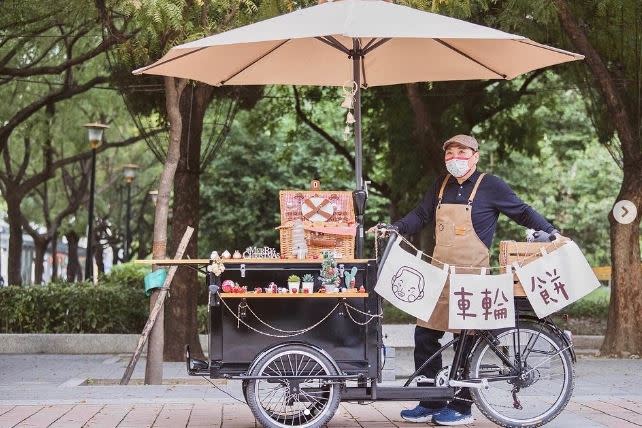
(410, 283)
(481, 302)
(557, 279)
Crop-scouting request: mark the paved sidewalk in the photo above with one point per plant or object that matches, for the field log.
(48, 390)
(608, 412)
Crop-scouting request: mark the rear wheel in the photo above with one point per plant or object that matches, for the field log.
(538, 385)
(309, 401)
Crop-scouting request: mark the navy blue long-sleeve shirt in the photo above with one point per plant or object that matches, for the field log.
(493, 196)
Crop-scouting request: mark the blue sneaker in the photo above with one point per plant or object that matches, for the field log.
(450, 417)
(419, 414)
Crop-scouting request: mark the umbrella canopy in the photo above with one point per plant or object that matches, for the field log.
(398, 44)
(370, 42)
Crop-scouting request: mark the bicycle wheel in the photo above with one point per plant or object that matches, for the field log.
(305, 402)
(532, 393)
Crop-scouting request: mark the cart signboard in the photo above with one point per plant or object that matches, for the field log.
(409, 283)
(481, 302)
(557, 279)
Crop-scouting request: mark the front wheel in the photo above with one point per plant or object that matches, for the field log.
(529, 372)
(278, 400)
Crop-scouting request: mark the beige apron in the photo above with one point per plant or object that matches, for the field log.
(456, 243)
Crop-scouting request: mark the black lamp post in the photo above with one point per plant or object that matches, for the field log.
(129, 173)
(95, 135)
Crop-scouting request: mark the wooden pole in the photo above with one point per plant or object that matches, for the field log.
(155, 312)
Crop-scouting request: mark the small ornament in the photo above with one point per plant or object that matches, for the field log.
(226, 254)
(350, 118)
(216, 267)
(362, 289)
(214, 255)
(346, 132)
(349, 90)
(237, 255)
(350, 277)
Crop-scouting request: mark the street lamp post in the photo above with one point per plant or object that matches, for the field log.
(95, 136)
(129, 173)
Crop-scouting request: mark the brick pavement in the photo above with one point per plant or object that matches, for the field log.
(615, 412)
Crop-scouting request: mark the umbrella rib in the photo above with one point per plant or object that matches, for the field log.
(372, 40)
(224, 81)
(369, 48)
(337, 44)
(550, 48)
(156, 64)
(503, 76)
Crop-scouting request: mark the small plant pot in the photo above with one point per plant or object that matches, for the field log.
(309, 286)
(293, 286)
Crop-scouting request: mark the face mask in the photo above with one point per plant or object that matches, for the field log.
(458, 167)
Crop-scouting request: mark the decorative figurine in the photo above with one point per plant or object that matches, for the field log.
(237, 255)
(226, 254)
(350, 277)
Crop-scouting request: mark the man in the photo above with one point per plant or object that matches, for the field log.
(465, 205)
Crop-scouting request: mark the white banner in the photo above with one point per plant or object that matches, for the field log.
(557, 279)
(481, 302)
(410, 283)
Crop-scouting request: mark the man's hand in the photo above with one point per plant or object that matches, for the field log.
(373, 229)
(382, 228)
(560, 237)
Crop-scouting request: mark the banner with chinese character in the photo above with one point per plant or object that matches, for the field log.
(410, 283)
(557, 279)
(481, 302)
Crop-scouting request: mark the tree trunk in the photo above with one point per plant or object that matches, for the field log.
(98, 257)
(623, 335)
(156, 343)
(14, 260)
(54, 256)
(181, 324)
(40, 245)
(73, 264)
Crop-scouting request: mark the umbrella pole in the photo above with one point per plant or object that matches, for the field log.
(359, 195)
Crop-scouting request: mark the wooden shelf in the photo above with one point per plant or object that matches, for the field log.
(169, 262)
(292, 295)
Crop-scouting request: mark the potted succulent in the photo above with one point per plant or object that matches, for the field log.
(308, 283)
(293, 283)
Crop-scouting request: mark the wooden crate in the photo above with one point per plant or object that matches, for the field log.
(522, 253)
(322, 237)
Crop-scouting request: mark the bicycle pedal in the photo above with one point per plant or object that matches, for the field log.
(423, 379)
(483, 384)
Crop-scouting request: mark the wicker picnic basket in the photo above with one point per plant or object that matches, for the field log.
(522, 253)
(328, 218)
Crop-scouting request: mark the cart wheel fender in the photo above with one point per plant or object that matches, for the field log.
(281, 345)
(550, 326)
(557, 331)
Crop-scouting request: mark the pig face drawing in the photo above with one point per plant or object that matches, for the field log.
(408, 284)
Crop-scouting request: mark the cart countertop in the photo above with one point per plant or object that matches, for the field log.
(169, 262)
(292, 295)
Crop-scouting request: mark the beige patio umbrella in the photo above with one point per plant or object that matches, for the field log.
(370, 42)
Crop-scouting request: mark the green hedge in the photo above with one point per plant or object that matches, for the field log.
(116, 305)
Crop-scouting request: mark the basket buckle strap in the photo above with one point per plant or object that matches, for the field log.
(316, 209)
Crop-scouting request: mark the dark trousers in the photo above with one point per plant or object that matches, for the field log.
(426, 344)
